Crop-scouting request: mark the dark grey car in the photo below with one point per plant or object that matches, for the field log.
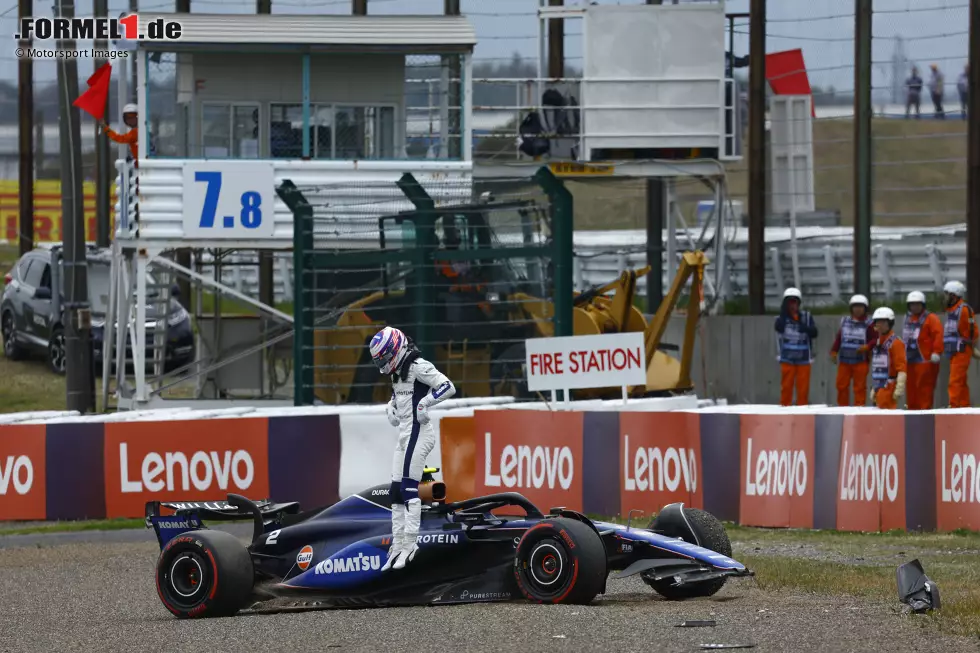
(30, 323)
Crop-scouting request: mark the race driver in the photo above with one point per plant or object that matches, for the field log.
(416, 386)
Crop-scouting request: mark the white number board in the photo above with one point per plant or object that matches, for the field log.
(576, 362)
(230, 200)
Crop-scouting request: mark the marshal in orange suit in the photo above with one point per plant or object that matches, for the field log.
(959, 338)
(923, 337)
(888, 366)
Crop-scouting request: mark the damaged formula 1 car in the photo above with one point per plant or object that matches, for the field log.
(468, 552)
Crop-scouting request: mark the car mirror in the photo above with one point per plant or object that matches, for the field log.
(175, 290)
(42, 293)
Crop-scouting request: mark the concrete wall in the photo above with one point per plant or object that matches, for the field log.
(739, 361)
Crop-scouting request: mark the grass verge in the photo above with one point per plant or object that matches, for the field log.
(863, 565)
(75, 526)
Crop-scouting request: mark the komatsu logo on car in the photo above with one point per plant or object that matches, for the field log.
(174, 524)
(360, 562)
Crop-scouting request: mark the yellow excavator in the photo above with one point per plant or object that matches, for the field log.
(484, 352)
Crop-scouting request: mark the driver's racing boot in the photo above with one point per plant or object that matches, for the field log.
(397, 534)
(413, 522)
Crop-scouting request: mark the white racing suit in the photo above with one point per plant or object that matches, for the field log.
(416, 386)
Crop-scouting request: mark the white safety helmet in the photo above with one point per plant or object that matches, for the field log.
(388, 349)
(955, 288)
(793, 293)
(884, 313)
(130, 108)
(915, 297)
(859, 299)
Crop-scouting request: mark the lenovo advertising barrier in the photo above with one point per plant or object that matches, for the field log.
(957, 452)
(660, 460)
(871, 476)
(776, 470)
(535, 453)
(22, 472)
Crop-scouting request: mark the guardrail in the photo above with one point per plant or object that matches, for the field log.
(904, 260)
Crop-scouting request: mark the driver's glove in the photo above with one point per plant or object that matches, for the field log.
(390, 412)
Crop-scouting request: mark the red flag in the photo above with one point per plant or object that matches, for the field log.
(103, 71)
(93, 101)
(786, 74)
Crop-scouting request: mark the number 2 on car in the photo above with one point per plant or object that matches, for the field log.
(229, 200)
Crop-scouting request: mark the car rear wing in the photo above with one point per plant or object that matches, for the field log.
(168, 519)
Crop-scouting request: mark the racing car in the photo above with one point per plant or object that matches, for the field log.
(472, 550)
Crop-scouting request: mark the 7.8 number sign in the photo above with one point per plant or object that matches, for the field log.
(229, 200)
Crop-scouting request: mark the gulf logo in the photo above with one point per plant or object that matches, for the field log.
(305, 557)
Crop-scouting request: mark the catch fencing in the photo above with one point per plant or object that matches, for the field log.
(906, 259)
(470, 281)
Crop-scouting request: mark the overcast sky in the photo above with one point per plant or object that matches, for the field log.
(934, 31)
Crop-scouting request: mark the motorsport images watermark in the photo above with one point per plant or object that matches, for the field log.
(40, 53)
(116, 29)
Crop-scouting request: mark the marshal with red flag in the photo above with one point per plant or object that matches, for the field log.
(94, 100)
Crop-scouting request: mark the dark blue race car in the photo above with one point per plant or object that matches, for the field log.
(469, 551)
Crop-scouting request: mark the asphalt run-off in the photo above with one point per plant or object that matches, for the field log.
(64, 591)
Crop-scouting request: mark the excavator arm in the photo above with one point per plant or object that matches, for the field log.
(692, 264)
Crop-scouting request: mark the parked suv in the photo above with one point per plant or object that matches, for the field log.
(30, 319)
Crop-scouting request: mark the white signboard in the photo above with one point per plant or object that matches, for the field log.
(575, 362)
(232, 200)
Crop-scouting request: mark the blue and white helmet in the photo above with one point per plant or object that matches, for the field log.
(388, 349)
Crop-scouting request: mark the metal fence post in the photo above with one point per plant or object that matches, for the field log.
(426, 243)
(863, 164)
(562, 212)
(303, 378)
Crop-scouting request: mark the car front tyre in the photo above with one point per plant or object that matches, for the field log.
(56, 351)
(204, 574)
(711, 535)
(11, 350)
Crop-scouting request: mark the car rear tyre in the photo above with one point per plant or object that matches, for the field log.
(711, 535)
(56, 351)
(10, 349)
(204, 574)
(560, 561)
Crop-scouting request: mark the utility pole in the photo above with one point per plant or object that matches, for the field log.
(25, 108)
(556, 44)
(103, 180)
(134, 7)
(267, 287)
(757, 157)
(656, 210)
(359, 7)
(862, 146)
(80, 383)
(973, 165)
(182, 255)
(455, 99)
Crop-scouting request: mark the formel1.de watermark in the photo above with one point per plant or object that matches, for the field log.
(58, 33)
(102, 28)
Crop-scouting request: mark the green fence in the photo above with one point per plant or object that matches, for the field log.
(468, 270)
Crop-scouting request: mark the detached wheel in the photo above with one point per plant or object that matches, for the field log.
(10, 349)
(204, 574)
(711, 535)
(56, 351)
(560, 561)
